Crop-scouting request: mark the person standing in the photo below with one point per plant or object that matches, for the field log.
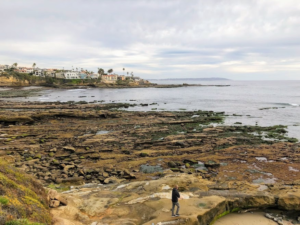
(175, 197)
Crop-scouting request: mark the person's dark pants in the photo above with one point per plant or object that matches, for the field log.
(173, 207)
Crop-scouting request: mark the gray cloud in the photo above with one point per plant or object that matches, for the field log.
(253, 39)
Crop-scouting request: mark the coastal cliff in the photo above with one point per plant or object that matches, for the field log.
(10, 81)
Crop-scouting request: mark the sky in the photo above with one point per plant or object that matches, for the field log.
(155, 39)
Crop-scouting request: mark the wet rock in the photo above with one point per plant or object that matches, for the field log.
(182, 144)
(172, 164)
(212, 163)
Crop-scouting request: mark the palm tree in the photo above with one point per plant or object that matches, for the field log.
(15, 65)
(123, 70)
(33, 65)
(110, 71)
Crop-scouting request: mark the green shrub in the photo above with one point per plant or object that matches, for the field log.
(23, 199)
(3, 200)
(21, 222)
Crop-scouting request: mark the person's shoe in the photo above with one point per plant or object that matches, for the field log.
(177, 215)
(173, 215)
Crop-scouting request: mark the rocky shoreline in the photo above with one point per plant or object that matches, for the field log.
(120, 153)
(19, 82)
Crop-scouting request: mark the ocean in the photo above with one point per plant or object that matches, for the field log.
(264, 103)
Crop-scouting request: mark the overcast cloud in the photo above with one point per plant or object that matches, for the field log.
(252, 39)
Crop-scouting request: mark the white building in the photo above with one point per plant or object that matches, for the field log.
(29, 70)
(49, 73)
(4, 67)
(39, 72)
(71, 75)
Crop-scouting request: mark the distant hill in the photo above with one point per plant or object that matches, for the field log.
(200, 79)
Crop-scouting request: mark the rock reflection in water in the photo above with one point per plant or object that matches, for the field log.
(102, 132)
(256, 218)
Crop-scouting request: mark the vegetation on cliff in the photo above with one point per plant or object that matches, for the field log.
(22, 199)
(24, 78)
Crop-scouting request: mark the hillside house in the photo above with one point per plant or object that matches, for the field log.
(50, 73)
(109, 78)
(136, 78)
(82, 76)
(71, 75)
(121, 77)
(39, 73)
(94, 76)
(60, 75)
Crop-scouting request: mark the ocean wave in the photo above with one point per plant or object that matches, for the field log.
(77, 89)
(288, 104)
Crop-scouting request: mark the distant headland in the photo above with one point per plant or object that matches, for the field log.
(195, 79)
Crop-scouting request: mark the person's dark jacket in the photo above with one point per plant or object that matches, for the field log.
(175, 195)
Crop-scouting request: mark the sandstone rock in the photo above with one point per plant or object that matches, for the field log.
(51, 194)
(104, 174)
(263, 200)
(289, 201)
(112, 180)
(61, 199)
(69, 148)
(54, 203)
(126, 172)
(53, 150)
(2, 153)
(66, 168)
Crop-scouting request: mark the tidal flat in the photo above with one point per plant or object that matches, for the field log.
(132, 160)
